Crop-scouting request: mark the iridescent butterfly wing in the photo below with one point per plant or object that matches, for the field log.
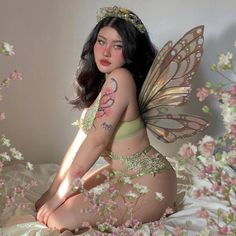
(167, 86)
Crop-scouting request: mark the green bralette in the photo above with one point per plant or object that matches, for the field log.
(124, 129)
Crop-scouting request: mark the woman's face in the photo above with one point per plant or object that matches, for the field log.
(108, 50)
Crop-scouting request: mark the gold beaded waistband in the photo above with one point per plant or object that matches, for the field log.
(115, 156)
(141, 162)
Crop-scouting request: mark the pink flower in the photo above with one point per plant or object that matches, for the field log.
(224, 175)
(216, 187)
(207, 146)
(202, 94)
(233, 181)
(168, 211)
(18, 189)
(200, 192)
(179, 231)
(234, 207)
(187, 150)
(34, 182)
(233, 90)
(15, 76)
(2, 116)
(233, 129)
(10, 200)
(222, 191)
(202, 174)
(209, 169)
(2, 182)
(203, 213)
(225, 230)
(197, 193)
(232, 101)
(105, 173)
(230, 157)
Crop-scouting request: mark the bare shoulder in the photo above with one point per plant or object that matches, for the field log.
(123, 78)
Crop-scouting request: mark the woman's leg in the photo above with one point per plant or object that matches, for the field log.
(91, 180)
(70, 215)
(94, 178)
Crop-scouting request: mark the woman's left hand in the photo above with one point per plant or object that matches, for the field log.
(48, 207)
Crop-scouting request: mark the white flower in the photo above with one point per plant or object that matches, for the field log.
(8, 48)
(5, 142)
(16, 154)
(29, 166)
(224, 61)
(159, 196)
(141, 188)
(76, 123)
(131, 195)
(228, 114)
(98, 190)
(5, 156)
(126, 180)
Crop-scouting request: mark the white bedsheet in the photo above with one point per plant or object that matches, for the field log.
(22, 221)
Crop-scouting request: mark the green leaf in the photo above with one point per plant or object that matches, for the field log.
(214, 67)
(206, 109)
(218, 156)
(208, 85)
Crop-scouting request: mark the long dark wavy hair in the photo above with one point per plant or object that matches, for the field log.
(138, 52)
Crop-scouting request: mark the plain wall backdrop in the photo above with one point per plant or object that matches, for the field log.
(48, 37)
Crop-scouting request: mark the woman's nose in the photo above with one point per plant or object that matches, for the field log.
(107, 51)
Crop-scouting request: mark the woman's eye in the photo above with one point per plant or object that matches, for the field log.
(118, 46)
(101, 42)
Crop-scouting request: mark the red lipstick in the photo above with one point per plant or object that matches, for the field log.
(105, 62)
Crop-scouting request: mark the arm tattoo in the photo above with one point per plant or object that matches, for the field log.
(106, 126)
(107, 99)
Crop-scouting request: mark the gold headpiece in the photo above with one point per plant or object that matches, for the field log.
(122, 13)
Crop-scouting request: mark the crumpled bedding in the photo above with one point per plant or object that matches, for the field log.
(15, 222)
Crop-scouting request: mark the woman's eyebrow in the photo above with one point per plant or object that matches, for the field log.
(104, 38)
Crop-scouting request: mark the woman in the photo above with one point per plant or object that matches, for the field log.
(114, 63)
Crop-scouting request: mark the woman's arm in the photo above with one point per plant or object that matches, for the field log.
(65, 165)
(67, 160)
(114, 101)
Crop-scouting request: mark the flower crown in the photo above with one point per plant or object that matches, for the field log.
(122, 13)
